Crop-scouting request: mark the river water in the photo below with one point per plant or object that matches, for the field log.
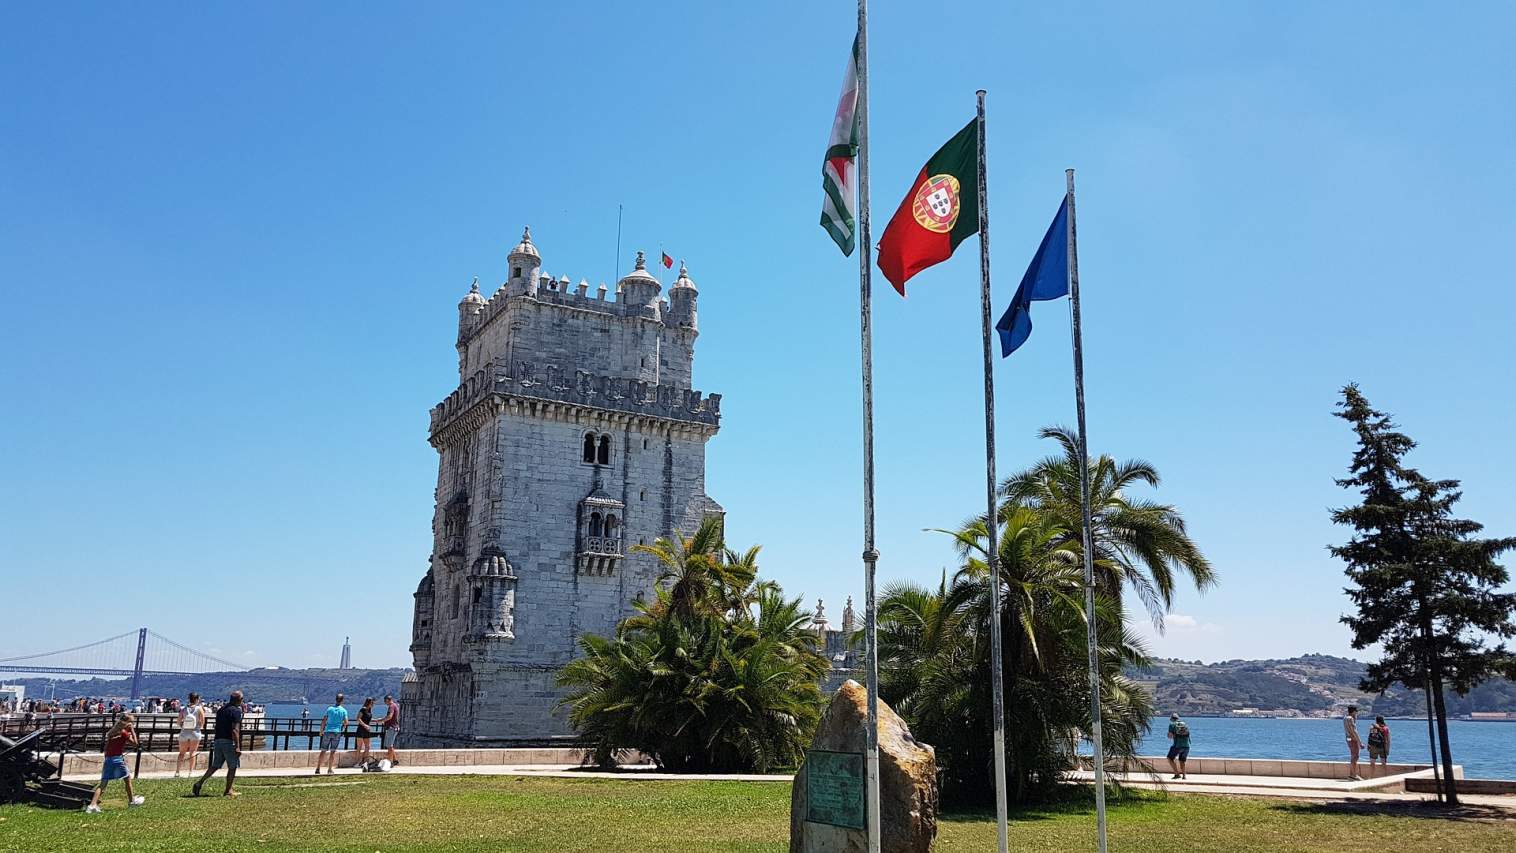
(1487, 750)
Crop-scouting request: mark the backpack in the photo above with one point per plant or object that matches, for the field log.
(1181, 729)
(1376, 736)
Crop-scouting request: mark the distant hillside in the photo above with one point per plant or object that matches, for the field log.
(1311, 684)
(260, 686)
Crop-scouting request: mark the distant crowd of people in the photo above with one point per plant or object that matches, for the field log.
(226, 742)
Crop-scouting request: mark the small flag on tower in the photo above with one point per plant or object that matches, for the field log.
(941, 209)
(668, 262)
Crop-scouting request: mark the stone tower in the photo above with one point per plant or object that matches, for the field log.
(574, 433)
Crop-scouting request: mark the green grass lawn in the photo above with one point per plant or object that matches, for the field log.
(366, 813)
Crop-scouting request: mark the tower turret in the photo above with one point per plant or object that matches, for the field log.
(638, 288)
(682, 299)
(526, 266)
(469, 309)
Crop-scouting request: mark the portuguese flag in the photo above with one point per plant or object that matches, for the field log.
(941, 209)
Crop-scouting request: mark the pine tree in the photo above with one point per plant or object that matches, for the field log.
(1427, 590)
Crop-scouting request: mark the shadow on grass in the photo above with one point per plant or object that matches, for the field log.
(1065, 800)
(1463, 813)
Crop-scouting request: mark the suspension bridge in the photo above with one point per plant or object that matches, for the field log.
(134, 653)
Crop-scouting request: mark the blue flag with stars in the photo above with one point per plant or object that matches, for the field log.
(1047, 277)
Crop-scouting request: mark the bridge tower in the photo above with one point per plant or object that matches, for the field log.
(137, 670)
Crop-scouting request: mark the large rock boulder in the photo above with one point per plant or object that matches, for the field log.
(907, 781)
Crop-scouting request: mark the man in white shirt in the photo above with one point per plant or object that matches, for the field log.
(1350, 730)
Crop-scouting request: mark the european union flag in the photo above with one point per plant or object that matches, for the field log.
(1046, 278)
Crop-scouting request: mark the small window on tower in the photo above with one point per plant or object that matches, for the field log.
(515, 272)
(589, 448)
(604, 456)
(644, 444)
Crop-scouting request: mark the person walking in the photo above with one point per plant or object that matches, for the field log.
(226, 745)
(120, 736)
(1350, 731)
(391, 723)
(365, 731)
(191, 725)
(1379, 746)
(333, 724)
(1179, 751)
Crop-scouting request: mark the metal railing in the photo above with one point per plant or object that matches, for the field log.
(75, 733)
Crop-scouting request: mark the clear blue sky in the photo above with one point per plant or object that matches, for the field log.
(232, 241)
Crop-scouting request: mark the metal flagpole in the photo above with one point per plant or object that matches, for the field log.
(997, 664)
(870, 555)
(1084, 505)
(616, 267)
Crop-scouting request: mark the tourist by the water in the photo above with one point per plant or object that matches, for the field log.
(191, 724)
(365, 731)
(1379, 745)
(1350, 730)
(1179, 751)
(333, 724)
(391, 724)
(226, 746)
(120, 736)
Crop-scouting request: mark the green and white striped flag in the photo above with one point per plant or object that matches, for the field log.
(839, 171)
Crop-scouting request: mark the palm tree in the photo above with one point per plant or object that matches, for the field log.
(1140, 543)
(692, 568)
(719, 672)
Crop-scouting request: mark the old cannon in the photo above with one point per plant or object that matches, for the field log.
(27, 777)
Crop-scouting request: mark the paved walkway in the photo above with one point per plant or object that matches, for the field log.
(1288, 787)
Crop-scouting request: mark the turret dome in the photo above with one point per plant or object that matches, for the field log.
(525, 247)
(473, 297)
(684, 280)
(640, 273)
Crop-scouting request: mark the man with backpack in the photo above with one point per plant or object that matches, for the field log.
(1179, 752)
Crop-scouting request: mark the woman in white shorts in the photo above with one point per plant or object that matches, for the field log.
(191, 721)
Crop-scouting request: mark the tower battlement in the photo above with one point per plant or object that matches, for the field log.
(551, 384)
(638, 334)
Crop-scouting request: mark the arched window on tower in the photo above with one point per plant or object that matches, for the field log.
(455, 601)
(612, 528)
(589, 448)
(604, 456)
(594, 524)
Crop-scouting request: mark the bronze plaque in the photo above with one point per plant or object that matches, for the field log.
(834, 788)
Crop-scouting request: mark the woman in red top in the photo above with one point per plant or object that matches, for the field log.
(121, 735)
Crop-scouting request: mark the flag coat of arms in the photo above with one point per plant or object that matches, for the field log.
(839, 170)
(939, 211)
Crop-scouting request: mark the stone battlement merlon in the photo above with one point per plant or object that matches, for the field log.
(554, 384)
(556, 292)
